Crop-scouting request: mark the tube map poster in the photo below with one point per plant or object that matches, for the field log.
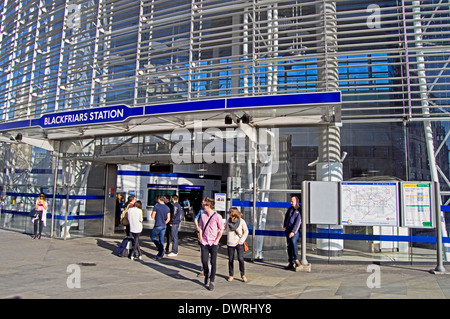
(369, 204)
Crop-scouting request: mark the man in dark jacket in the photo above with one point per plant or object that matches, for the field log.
(174, 226)
(292, 222)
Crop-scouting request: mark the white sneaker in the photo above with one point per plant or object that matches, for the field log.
(172, 255)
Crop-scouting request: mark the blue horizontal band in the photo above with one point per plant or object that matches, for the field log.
(246, 203)
(57, 217)
(185, 175)
(321, 234)
(331, 235)
(59, 196)
(78, 217)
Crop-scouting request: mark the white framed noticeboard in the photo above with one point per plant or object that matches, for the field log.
(417, 204)
(323, 203)
(369, 204)
(220, 202)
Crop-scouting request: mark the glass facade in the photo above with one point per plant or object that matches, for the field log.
(390, 60)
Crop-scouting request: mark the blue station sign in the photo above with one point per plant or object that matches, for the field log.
(111, 114)
(121, 113)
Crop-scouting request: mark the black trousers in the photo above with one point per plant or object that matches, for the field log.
(40, 223)
(209, 252)
(240, 256)
(136, 246)
(172, 237)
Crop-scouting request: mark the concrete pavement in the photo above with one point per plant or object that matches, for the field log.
(87, 268)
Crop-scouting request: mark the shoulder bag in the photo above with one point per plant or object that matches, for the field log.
(245, 242)
(124, 217)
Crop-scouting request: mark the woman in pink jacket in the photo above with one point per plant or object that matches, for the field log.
(40, 216)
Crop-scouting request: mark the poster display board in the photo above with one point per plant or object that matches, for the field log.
(324, 203)
(417, 204)
(220, 202)
(369, 204)
(396, 204)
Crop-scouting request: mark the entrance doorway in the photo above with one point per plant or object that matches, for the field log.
(189, 197)
(185, 181)
(191, 200)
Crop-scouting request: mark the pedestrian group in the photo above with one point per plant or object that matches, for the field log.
(210, 228)
(209, 224)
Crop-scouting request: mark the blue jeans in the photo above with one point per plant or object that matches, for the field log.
(172, 237)
(292, 246)
(159, 231)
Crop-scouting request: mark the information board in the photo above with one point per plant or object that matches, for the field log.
(323, 203)
(220, 202)
(369, 204)
(417, 204)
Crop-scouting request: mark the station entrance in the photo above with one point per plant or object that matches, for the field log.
(257, 150)
(246, 151)
(79, 158)
(210, 153)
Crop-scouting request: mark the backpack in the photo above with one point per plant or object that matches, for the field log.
(125, 247)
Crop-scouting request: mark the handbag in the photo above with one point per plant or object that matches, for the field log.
(124, 218)
(245, 243)
(33, 213)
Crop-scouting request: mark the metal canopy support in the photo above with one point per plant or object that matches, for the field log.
(255, 196)
(305, 209)
(423, 89)
(329, 166)
(55, 189)
(66, 212)
(439, 258)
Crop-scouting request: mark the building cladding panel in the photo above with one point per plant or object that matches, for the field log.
(389, 59)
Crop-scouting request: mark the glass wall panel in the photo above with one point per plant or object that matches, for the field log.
(81, 192)
(374, 153)
(26, 172)
(77, 203)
